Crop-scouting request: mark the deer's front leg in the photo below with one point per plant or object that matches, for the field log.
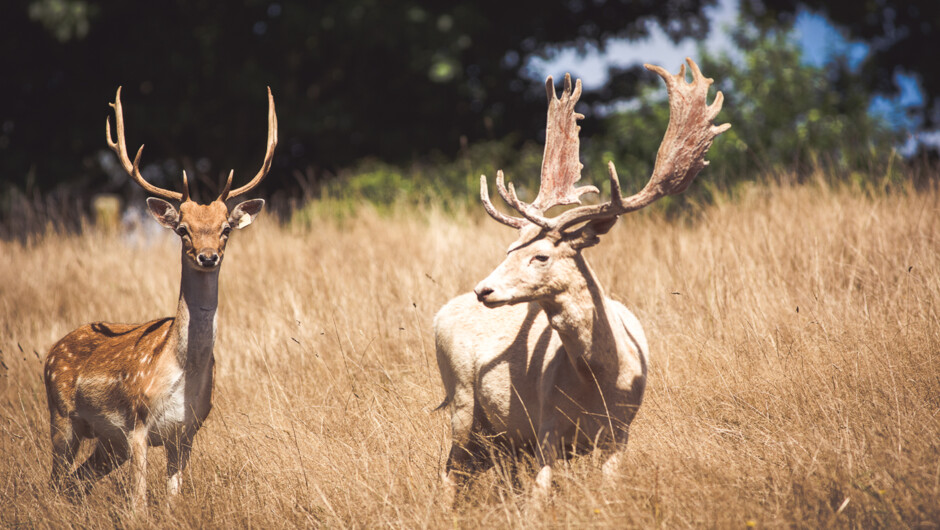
(177, 458)
(613, 452)
(545, 455)
(108, 456)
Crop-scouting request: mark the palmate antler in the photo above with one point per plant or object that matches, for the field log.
(561, 165)
(680, 158)
(119, 147)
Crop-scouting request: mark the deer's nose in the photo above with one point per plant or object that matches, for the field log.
(482, 292)
(208, 258)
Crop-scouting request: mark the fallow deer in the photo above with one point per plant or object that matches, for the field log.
(537, 358)
(130, 386)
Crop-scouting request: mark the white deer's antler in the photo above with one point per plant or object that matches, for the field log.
(561, 164)
(680, 158)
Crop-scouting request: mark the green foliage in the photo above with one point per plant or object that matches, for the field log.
(448, 183)
(788, 119)
(65, 19)
(901, 34)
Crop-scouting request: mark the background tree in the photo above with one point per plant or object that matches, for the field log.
(788, 118)
(351, 78)
(902, 37)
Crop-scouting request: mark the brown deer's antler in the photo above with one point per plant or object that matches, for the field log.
(680, 158)
(133, 168)
(561, 164)
(268, 157)
(119, 146)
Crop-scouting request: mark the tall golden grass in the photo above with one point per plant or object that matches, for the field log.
(795, 377)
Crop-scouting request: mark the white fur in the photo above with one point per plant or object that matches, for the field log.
(552, 365)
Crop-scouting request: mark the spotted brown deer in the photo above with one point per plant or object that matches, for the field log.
(537, 358)
(130, 386)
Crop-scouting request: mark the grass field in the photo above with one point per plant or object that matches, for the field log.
(795, 373)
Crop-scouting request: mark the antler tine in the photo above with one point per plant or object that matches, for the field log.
(614, 183)
(514, 222)
(509, 195)
(269, 154)
(681, 154)
(185, 187)
(120, 149)
(228, 186)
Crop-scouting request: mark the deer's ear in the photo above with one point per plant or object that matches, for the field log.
(163, 212)
(244, 214)
(587, 235)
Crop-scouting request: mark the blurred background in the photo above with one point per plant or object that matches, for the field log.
(410, 101)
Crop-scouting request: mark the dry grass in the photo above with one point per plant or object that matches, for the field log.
(795, 375)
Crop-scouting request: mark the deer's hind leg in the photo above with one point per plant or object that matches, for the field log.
(107, 456)
(467, 452)
(65, 443)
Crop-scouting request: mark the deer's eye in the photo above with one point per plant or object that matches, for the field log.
(540, 257)
(182, 231)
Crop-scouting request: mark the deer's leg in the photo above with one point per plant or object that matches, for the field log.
(137, 442)
(65, 443)
(613, 453)
(106, 458)
(545, 455)
(177, 458)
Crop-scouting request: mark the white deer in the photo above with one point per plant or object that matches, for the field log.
(537, 358)
(133, 385)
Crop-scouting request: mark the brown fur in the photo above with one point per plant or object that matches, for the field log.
(107, 350)
(130, 386)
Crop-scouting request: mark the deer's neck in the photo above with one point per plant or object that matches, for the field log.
(196, 317)
(579, 315)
